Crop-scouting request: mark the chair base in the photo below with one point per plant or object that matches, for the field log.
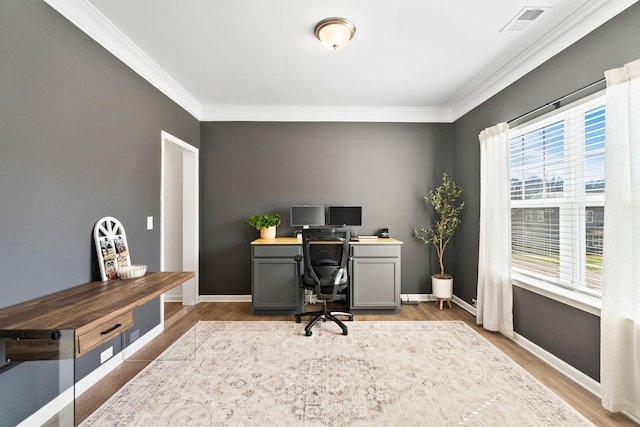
(324, 315)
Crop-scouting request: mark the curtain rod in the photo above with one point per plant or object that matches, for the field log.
(556, 103)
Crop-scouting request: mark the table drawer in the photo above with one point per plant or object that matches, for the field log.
(276, 251)
(104, 332)
(375, 251)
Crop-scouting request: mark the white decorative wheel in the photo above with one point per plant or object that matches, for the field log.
(111, 247)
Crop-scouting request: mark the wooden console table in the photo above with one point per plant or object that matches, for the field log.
(95, 311)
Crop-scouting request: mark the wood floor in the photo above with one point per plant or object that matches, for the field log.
(178, 320)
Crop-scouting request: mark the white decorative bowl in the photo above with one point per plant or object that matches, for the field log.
(132, 271)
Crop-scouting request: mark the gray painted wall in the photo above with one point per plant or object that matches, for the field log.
(610, 46)
(79, 140)
(255, 168)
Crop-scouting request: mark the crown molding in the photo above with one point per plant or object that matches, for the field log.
(324, 114)
(591, 16)
(87, 18)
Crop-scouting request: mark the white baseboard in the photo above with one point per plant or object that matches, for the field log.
(225, 298)
(415, 297)
(430, 298)
(463, 304)
(97, 374)
(558, 364)
(52, 408)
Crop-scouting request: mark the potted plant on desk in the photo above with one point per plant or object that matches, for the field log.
(266, 223)
(443, 200)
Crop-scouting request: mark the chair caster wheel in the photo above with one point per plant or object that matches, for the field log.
(298, 320)
(308, 333)
(345, 332)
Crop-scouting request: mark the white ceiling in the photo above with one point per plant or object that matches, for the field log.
(410, 60)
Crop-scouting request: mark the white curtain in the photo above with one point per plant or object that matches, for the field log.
(620, 316)
(495, 295)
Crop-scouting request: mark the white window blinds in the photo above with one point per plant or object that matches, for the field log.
(557, 197)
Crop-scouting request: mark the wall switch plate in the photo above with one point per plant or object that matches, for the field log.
(149, 223)
(106, 355)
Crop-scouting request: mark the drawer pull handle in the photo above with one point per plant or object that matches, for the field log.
(116, 326)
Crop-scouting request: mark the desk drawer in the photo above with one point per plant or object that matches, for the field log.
(375, 251)
(104, 332)
(276, 251)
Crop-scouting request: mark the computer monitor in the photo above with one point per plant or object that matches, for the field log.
(345, 215)
(307, 215)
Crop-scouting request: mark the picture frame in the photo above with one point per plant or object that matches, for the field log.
(112, 248)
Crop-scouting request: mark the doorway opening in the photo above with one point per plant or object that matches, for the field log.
(179, 219)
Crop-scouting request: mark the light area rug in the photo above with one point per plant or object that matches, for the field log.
(397, 373)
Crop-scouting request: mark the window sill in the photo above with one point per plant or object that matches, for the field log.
(584, 302)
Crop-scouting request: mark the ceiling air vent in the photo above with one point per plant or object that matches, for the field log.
(524, 18)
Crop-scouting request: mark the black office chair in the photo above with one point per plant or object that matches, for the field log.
(325, 254)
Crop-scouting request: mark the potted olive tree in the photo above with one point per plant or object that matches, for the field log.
(443, 200)
(266, 223)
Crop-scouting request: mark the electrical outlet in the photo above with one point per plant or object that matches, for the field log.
(149, 223)
(106, 355)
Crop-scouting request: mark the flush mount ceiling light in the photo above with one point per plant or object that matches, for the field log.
(335, 33)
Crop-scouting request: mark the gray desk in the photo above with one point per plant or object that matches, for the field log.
(374, 271)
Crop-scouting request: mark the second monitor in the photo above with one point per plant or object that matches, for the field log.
(345, 215)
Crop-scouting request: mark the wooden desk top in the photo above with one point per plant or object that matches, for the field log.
(84, 307)
(296, 241)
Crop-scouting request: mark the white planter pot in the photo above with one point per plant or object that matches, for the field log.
(268, 232)
(442, 288)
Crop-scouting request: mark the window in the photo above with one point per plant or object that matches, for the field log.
(557, 170)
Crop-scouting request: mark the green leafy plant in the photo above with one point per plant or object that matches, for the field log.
(266, 220)
(443, 200)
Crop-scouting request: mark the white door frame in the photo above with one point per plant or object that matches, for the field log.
(190, 211)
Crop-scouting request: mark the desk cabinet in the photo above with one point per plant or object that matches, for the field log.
(375, 276)
(374, 270)
(274, 284)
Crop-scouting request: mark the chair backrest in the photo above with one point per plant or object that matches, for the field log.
(326, 253)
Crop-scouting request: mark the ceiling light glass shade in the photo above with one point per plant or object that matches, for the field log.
(335, 33)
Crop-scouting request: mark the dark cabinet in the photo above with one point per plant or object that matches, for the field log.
(274, 284)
